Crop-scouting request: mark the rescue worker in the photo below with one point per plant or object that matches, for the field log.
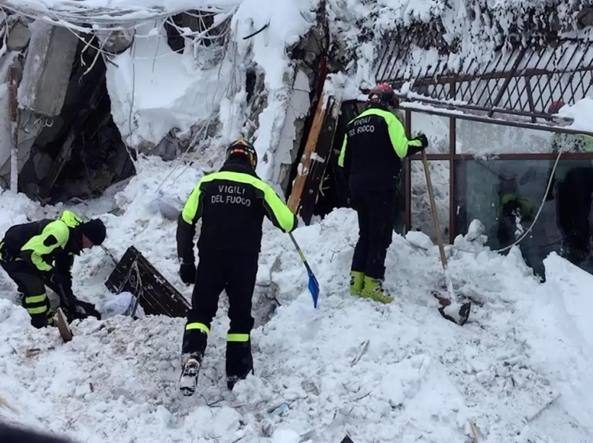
(40, 254)
(231, 203)
(371, 154)
(514, 210)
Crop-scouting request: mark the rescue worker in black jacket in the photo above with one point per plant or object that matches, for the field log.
(40, 254)
(231, 203)
(374, 146)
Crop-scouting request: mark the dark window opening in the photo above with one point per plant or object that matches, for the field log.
(196, 22)
(505, 196)
(80, 152)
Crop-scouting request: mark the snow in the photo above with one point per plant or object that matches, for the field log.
(581, 112)
(518, 371)
(155, 91)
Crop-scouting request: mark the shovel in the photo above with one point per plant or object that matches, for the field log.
(449, 309)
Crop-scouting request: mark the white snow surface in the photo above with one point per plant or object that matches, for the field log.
(520, 370)
(581, 112)
(154, 90)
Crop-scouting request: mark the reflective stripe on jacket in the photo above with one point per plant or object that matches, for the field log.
(374, 144)
(231, 203)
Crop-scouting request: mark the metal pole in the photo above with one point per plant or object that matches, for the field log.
(433, 209)
(13, 81)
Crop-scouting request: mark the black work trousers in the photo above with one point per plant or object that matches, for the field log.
(376, 218)
(31, 285)
(235, 272)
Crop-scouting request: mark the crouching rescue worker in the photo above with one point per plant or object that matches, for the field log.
(232, 203)
(371, 154)
(40, 254)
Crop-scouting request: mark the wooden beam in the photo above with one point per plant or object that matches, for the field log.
(298, 187)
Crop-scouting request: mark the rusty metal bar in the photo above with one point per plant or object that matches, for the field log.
(529, 156)
(403, 47)
(471, 97)
(558, 82)
(545, 72)
(569, 82)
(482, 109)
(530, 98)
(390, 48)
(469, 83)
(588, 87)
(514, 123)
(508, 79)
(547, 84)
(496, 75)
(452, 175)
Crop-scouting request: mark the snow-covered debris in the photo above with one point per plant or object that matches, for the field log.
(520, 370)
(349, 367)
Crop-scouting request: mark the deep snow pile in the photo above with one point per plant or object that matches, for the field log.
(519, 371)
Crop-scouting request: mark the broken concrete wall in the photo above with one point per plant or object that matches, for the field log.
(6, 138)
(16, 34)
(68, 145)
(292, 129)
(47, 69)
(46, 73)
(79, 152)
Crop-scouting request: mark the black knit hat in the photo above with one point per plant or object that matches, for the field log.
(94, 230)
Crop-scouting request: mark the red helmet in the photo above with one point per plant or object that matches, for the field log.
(383, 93)
(555, 106)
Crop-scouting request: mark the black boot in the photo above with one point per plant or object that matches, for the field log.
(188, 381)
(239, 362)
(193, 348)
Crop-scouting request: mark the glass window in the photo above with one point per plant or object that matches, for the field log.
(421, 213)
(487, 138)
(436, 129)
(505, 196)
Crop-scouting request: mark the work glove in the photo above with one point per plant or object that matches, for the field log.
(62, 285)
(187, 272)
(86, 309)
(5, 254)
(79, 309)
(422, 139)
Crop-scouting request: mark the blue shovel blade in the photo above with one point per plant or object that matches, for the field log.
(314, 289)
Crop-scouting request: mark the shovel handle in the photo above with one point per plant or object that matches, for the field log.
(433, 210)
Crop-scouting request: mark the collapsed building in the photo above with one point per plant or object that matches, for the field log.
(487, 84)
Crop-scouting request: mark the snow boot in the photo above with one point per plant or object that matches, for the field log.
(356, 283)
(373, 289)
(239, 362)
(188, 381)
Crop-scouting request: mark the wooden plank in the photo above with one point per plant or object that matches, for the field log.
(294, 201)
(320, 161)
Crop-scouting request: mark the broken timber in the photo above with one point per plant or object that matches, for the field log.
(315, 158)
(154, 293)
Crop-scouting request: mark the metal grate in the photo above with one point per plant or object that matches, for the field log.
(523, 81)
